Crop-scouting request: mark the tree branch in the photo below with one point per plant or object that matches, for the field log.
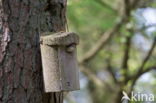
(144, 28)
(101, 43)
(126, 52)
(98, 46)
(127, 14)
(102, 3)
(126, 55)
(110, 70)
(141, 69)
(108, 34)
(147, 57)
(97, 81)
(127, 8)
(135, 78)
(134, 3)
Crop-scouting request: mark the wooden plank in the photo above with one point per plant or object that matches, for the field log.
(51, 73)
(69, 69)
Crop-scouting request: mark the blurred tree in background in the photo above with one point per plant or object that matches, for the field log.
(117, 45)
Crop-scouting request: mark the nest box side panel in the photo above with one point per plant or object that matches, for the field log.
(69, 69)
(51, 71)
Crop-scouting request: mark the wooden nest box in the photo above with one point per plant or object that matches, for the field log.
(59, 61)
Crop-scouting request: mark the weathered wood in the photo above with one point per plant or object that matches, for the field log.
(69, 70)
(60, 68)
(60, 38)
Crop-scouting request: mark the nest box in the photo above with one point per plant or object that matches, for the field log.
(59, 61)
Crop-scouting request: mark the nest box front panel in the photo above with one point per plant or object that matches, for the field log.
(51, 73)
(69, 69)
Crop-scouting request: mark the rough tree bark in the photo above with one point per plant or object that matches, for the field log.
(21, 23)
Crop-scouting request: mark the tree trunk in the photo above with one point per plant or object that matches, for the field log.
(21, 24)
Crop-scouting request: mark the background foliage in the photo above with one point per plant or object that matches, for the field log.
(125, 60)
